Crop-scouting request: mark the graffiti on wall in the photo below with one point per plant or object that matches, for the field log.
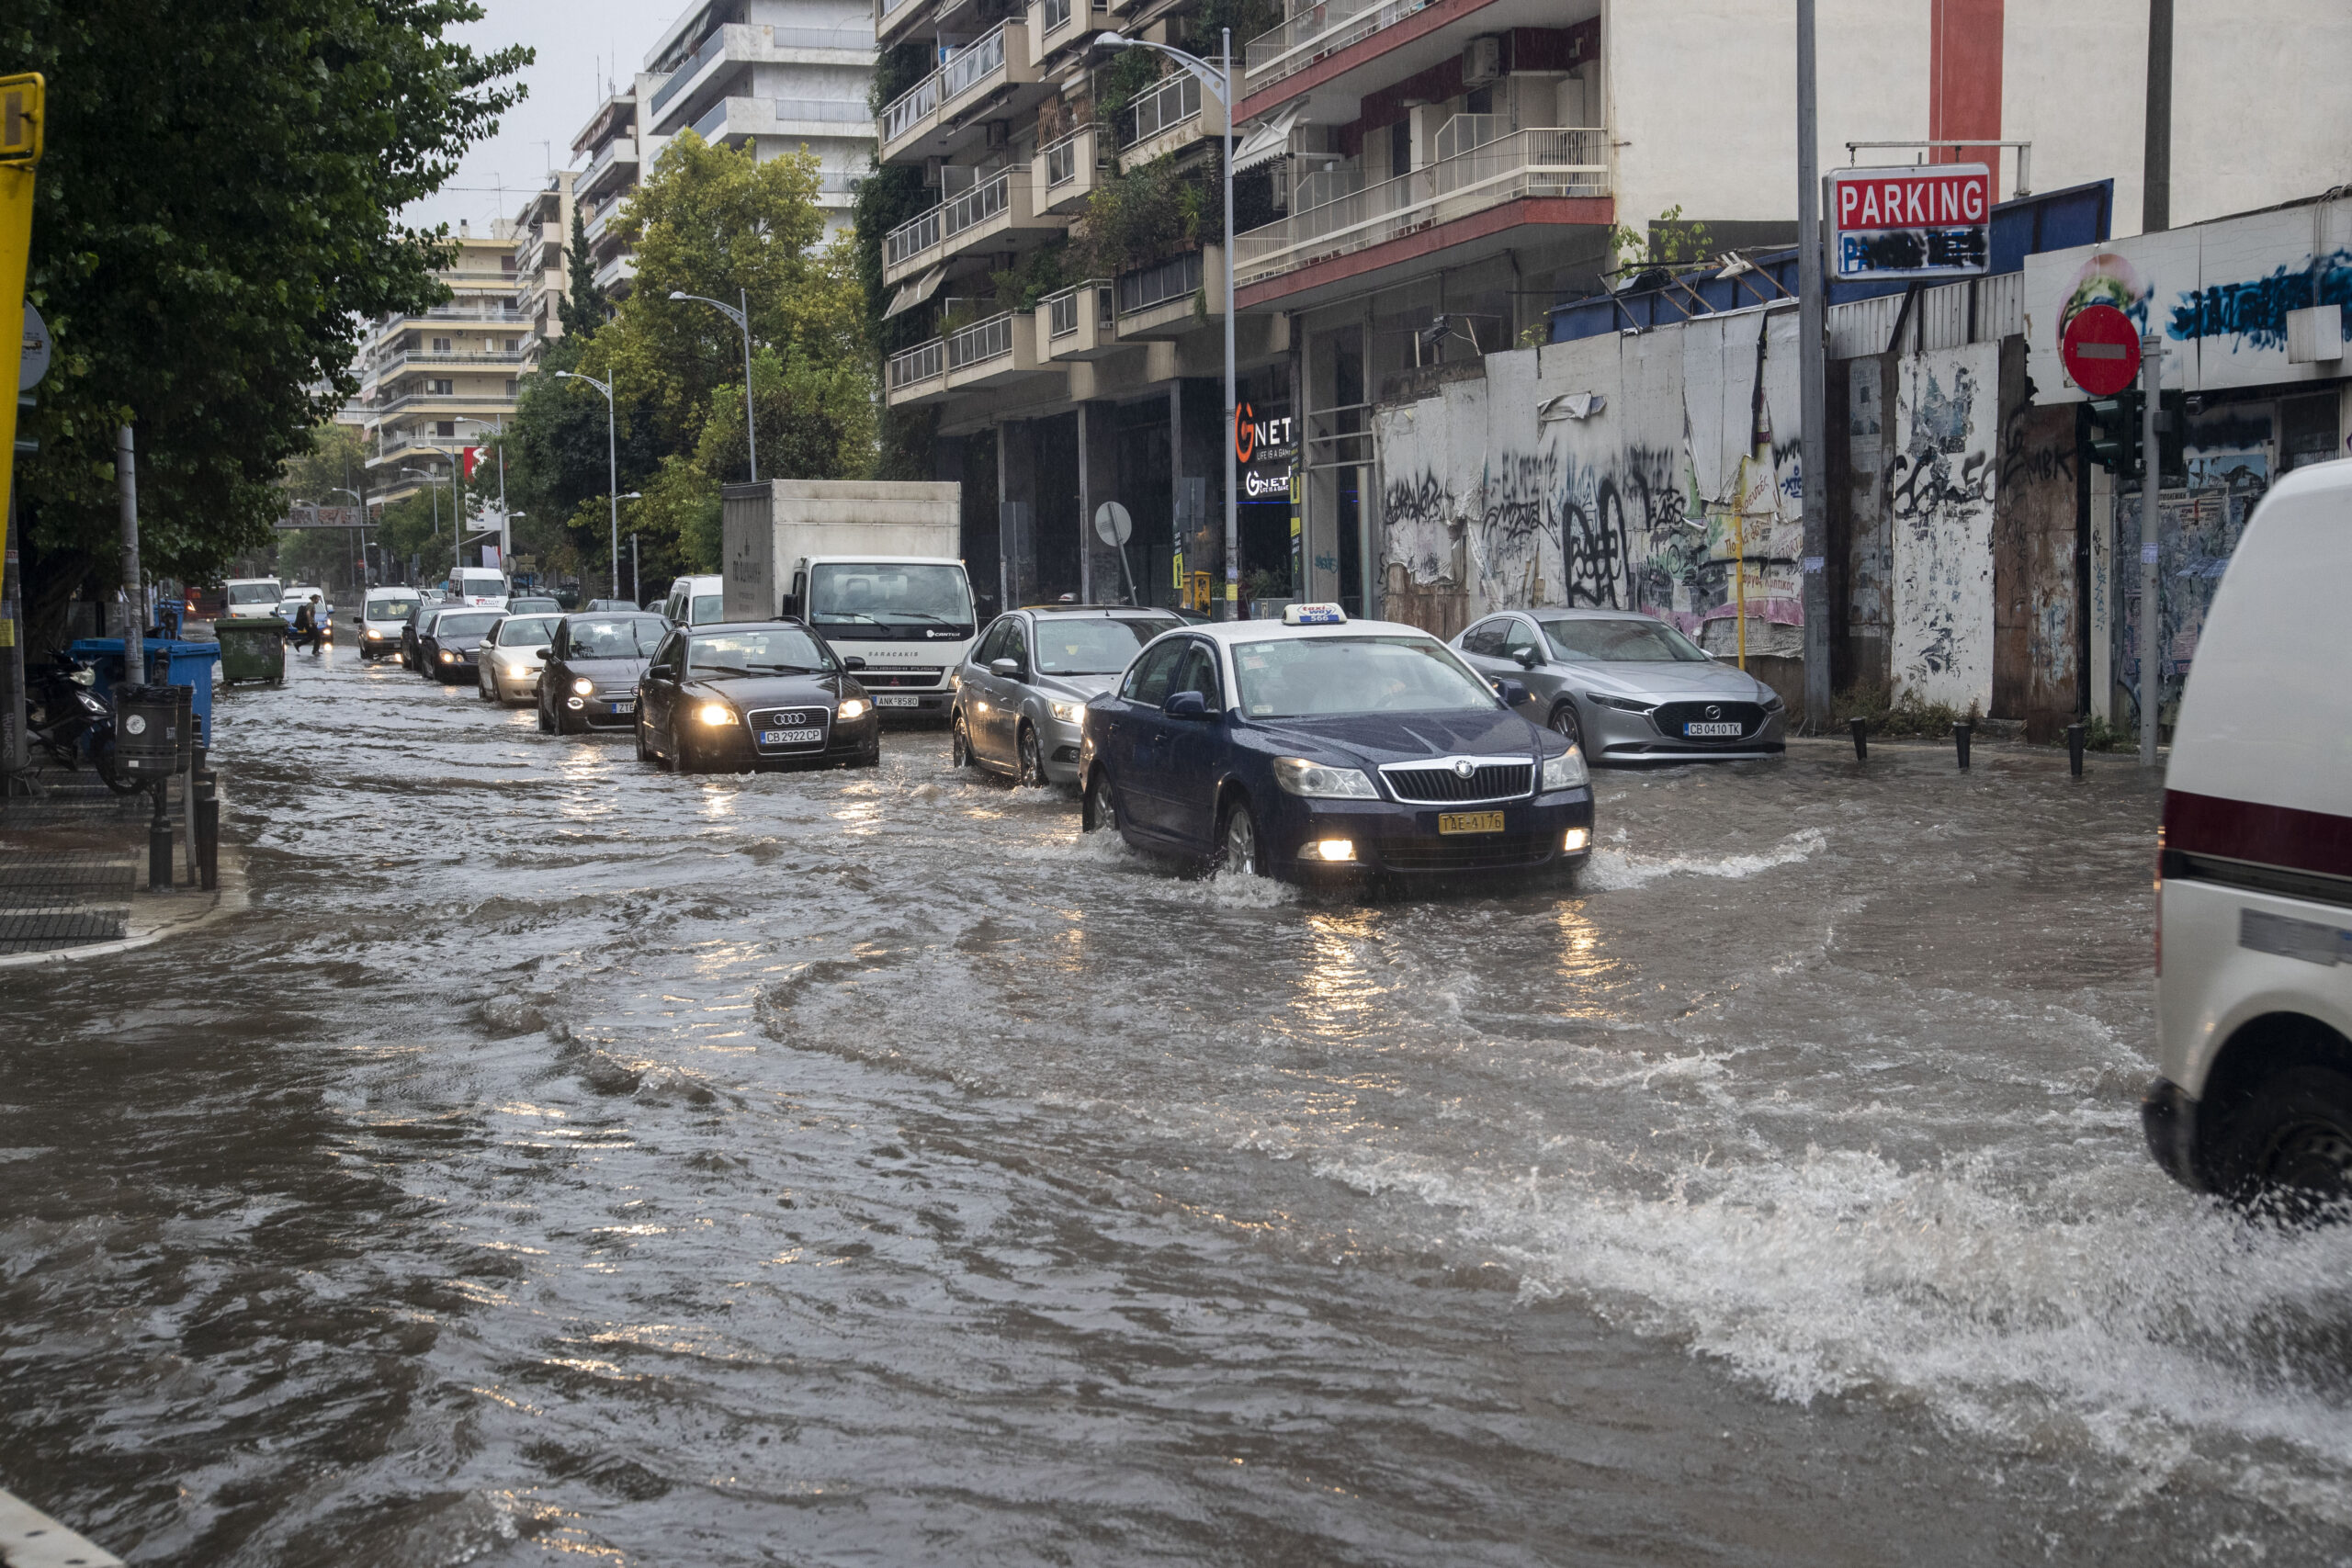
(1420, 519)
(1516, 522)
(1940, 481)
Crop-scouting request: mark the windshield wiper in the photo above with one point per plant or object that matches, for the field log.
(784, 669)
(825, 616)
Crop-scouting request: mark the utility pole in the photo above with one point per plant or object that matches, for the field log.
(1813, 320)
(134, 590)
(2152, 376)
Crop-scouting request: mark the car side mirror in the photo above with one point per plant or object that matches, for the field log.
(1511, 691)
(788, 605)
(1185, 705)
(1009, 669)
(660, 672)
(853, 661)
(1526, 657)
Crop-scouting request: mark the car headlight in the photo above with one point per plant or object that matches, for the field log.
(1299, 776)
(1622, 704)
(448, 657)
(1067, 713)
(1565, 771)
(852, 708)
(1772, 703)
(583, 685)
(715, 714)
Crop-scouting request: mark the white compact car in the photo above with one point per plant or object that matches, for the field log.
(382, 612)
(2254, 912)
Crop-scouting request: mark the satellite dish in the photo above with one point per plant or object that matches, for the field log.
(1112, 524)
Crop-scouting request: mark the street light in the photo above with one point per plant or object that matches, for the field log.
(613, 464)
(742, 318)
(1218, 82)
(636, 578)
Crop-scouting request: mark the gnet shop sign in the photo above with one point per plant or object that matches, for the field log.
(1930, 220)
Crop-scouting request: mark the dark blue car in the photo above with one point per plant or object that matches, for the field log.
(1324, 746)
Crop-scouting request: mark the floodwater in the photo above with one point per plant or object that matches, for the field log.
(568, 1157)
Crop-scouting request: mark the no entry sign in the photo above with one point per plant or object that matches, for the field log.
(2101, 350)
(1925, 221)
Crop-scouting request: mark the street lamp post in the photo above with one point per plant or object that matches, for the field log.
(743, 319)
(636, 586)
(613, 465)
(430, 480)
(1218, 82)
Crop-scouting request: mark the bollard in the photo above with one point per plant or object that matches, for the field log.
(2074, 748)
(207, 830)
(1959, 733)
(1861, 727)
(159, 841)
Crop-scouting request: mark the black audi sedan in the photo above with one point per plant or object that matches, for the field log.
(1324, 746)
(737, 696)
(589, 680)
(446, 649)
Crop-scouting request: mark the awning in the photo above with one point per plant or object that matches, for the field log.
(915, 293)
(1271, 140)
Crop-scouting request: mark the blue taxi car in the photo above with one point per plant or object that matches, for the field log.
(1324, 745)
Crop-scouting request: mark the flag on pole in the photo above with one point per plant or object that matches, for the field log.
(473, 456)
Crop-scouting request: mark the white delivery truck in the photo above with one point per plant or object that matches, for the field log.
(874, 566)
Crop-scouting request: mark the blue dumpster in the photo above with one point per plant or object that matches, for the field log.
(169, 663)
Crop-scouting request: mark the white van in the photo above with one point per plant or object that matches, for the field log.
(695, 600)
(484, 585)
(2254, 900)
(253, 596)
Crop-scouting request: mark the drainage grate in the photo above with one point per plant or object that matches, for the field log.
(26, 934)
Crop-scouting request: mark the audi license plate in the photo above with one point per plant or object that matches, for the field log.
(1469, 821)
(887, 701)
(629, 706)
(791, 737)
(1709, 732)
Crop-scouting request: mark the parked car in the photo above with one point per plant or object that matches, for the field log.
(589, 680)
(446, 653)
(744, 696)
(1327, 745)
(1627, 687)
(383, 615)
(507, 664)
(420, 621)
(1022, 692)
(2254, 890)
(696, 602)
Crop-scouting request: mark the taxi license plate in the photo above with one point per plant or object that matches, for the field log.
(1469, 821)
(897, 702)
(791, 737)
(1702, 730)
(629, 706)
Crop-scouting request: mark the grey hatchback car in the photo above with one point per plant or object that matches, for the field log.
(1022, 691)
(1627, 686)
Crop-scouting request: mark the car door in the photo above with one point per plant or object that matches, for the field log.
(1136, 751)
(485, 657)
(657, 690)
(1192, 750)
(1482, 644)
(983, 693)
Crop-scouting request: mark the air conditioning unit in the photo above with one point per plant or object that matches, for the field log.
(1482, 61)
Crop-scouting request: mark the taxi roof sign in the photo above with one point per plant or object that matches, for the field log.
(1314, 615)
(21, 118)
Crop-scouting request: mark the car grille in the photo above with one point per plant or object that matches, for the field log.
(873, 679)
(812, 716)
(1492, 851)
(1671, 716)
(1442, 787)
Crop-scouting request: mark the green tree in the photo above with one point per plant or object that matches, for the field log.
(215, 219)
(582, 308)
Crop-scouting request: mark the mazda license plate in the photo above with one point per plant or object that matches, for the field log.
(1708, 731)
(897, 702)
(629, 706)
(791, 737)
(1469, 821)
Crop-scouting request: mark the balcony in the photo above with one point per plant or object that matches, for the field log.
(1079, 322)
(614, 165)
(1055, 23)
(1157, 301)
(419, 359)
(614, 277)
(739, 44)
(802, 117)
(997, 204)
(1314, 32)
(1067, 173)
(1484, 176)
(1170, 117)
(992, 353)
(998, 59)
(891, 16)
(919, 375)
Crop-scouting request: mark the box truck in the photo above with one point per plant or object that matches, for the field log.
(874, 566)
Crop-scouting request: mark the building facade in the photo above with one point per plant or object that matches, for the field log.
(445, 378)
(620, 153)
(542, 262)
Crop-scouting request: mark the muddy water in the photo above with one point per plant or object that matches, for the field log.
(566, 1157)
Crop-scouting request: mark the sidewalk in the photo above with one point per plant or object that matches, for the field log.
(74, 874)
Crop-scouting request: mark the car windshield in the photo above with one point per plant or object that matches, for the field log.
(630, 637)
(765, 650)
(708, 607)
(253, 593)
(389, 609)
(1644, 641)
(468, 624)
(1088, 646)
(1301, 677)
(526, 633)
(889, 594)
(547, 605)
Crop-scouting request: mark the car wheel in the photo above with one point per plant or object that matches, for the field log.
(1238, 841)
(484, 687)
(1032, 756)
(1564, 724)
(546, 719)
(959, 742)
(1096, 810)
(2288, 1148)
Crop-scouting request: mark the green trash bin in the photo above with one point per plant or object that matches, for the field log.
(253, 647)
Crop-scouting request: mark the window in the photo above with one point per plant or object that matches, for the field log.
(510, 385)
(994, 646)
(1400, 147)
(773, 650)
(1516, 637)
(445, 427)
(441, 344)
(441, 387)
(1485, 639)
(1292, 678)
(708, 607)
(1148, 682)
(513, 343)
(1070, 645)
(1198, 674)
(1611, 642)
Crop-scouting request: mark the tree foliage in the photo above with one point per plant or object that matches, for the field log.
(215, 218)
(582, 308)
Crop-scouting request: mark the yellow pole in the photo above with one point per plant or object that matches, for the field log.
(22, 101)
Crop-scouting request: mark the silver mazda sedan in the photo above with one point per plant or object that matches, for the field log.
(1627, 686)
(1020, 692)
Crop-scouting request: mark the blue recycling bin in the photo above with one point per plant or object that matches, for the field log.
(170, 662)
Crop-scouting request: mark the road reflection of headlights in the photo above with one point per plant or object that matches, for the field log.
(716, 714)
(1067, 713)
(583, 685)
(853, 707)
(1565, 771)
(1299, 776)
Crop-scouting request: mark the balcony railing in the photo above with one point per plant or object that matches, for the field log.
(685, 74)
(1557, 163)
(1316, 29)
(913, 237)
(968, 66)
(1148, 286)
(980, 341)
(1172, 103)
(711, 125)
(832, 111)
(976, 206)
(924, 362)
(1066, 310)
(901, 115)
(1061, 160)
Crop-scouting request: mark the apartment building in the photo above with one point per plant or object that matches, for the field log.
(774, 75)
(542, 262)
(445, 377)
(620, 153)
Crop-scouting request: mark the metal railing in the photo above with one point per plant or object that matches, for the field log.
(1064, 310)
(1172, 103)
(1314, 30)
(619, 147)
(924, 362)
(913, 237)
(917, 102)
(715, 120)
(829, 111)
(1148, 286)
(969, 66)
(980, 341)
(701, 57)
(1061, 158)
(470, 313)
(419, 358)
(976, 206)
(1543, 163)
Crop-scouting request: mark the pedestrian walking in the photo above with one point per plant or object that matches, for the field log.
(307, 630)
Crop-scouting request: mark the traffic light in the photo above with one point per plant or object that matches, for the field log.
(2114, 436)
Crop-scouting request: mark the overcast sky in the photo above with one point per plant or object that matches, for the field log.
(578, 43)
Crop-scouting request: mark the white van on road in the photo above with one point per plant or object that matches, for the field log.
(695, 600)
(2254, 901)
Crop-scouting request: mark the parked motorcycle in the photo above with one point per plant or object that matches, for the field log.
(72, 722)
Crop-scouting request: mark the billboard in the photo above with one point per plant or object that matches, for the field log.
(1931, 220)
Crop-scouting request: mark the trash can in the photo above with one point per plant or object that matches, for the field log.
(149, 734)
(253, 647)
(170, 662)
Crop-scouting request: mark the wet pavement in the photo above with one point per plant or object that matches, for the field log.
(564, 1157)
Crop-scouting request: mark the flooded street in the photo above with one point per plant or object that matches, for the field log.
(564, 1157)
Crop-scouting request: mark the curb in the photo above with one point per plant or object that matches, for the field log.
(153, 917)
(30, 1539)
